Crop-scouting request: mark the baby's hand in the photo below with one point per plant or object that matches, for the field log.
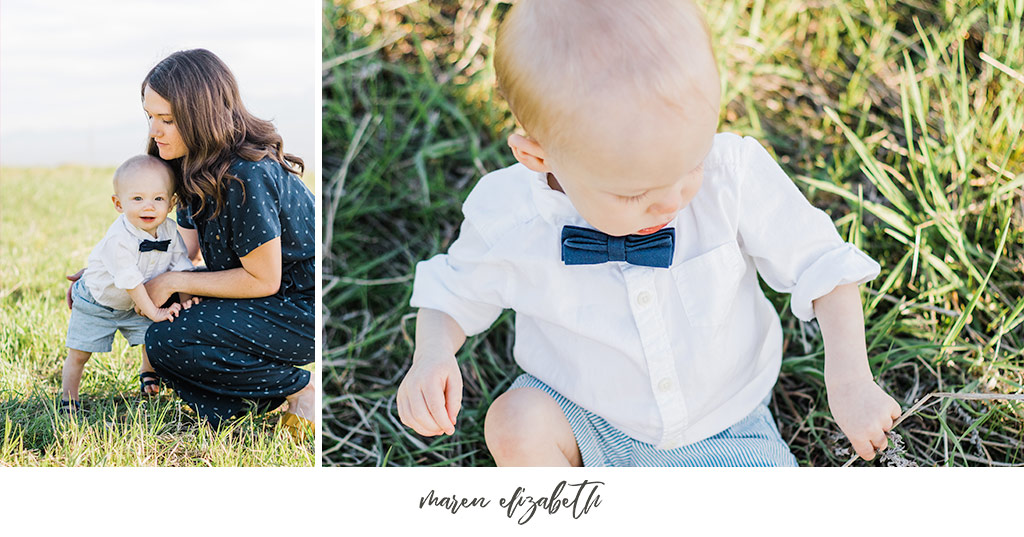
(430, 395)
(164, 314)
(865, 413)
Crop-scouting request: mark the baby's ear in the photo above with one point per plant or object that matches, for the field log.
(117, 203)
(528, 152)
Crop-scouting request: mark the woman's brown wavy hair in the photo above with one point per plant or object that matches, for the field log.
(213, 124)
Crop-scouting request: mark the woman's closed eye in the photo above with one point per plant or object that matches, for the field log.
(166, 121)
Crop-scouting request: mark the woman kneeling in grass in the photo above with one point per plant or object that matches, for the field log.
(242, 206)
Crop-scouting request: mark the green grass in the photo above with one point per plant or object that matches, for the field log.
(901, 119)
(50, 218)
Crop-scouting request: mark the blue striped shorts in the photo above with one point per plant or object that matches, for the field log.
(753, 441)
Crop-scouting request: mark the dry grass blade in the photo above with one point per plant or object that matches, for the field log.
(946, 395)
(1019, 77)
(365, 51)
(338, 181)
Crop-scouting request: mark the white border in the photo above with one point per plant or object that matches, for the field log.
(316, 53)
(353, 501)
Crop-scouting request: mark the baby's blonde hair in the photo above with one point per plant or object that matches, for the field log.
(559, 60)
(139, 162)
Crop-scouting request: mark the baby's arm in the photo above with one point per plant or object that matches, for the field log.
(430, 395)
(145, 305)
(862, 409)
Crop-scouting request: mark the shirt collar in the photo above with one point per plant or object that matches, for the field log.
(553, 206)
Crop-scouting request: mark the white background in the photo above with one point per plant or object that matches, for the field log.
(70, 71)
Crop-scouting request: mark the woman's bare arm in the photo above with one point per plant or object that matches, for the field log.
(259, 276)
(191, 239)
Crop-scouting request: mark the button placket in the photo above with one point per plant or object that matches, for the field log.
(657, 350)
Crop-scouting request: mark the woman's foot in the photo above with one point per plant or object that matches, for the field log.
(303, 402)
(300, 417)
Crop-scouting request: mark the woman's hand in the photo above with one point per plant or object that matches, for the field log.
(161, 287)
(187, 300)
(73, 278)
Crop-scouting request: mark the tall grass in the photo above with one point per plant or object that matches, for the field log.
(50, 218)
(901, 119)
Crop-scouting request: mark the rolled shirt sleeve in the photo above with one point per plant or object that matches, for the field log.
(794, 245)
(466, 283)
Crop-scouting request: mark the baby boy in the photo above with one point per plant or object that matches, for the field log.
(628, 240)
(140, 244)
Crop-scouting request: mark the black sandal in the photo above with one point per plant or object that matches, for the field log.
(68, 407)
(148, 378)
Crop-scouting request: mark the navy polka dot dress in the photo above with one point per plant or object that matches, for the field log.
(225, 357)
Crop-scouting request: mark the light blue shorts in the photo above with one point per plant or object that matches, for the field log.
(753, 441)
(92, 325)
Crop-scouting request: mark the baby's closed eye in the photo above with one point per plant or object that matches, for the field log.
(633, 199)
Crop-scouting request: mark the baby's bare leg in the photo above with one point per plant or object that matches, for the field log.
(71, 376)
(526, 427)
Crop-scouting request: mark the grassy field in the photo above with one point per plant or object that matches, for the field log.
(50, 218)
(901, 119)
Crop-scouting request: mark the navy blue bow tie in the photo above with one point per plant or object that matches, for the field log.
(147, 245)
(582, 246)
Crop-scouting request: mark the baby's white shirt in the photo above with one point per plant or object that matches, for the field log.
(116, 264)
(668, 356)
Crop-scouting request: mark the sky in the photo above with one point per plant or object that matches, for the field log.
(70, 71)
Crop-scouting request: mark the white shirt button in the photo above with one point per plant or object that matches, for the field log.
(643, 298)
(665, 384)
